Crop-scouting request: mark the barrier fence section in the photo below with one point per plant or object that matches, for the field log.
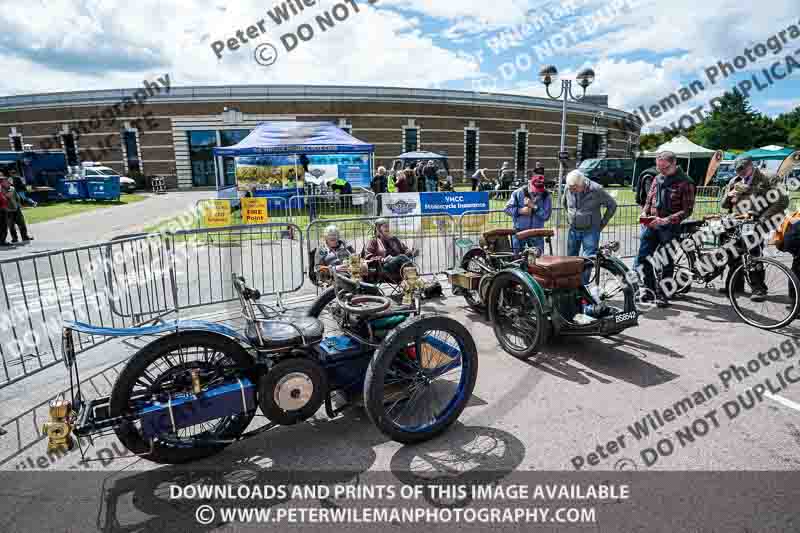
(270, 256)
(305, 209)
(41, 291)
(432, 234)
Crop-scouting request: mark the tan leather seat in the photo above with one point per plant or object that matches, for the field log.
(531, 233)
(558, 272)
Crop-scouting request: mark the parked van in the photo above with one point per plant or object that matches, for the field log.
(608, 171)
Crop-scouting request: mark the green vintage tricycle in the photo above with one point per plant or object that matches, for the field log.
(530, 297)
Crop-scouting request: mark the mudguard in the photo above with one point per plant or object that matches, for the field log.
(174, 326)
(622, 268)
(525, 279)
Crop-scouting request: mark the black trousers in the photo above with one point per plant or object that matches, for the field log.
(3, 225)
(16, 218)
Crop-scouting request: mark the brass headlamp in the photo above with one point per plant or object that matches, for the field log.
(58, 430)
(411, 282)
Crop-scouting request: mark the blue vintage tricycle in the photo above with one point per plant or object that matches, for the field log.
(197, 387)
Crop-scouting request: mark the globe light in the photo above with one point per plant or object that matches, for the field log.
(585, 77)
(548, 74)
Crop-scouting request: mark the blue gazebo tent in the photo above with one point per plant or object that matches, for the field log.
(295, 138)
(296, 141)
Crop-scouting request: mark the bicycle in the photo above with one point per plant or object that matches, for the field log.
(706, 260)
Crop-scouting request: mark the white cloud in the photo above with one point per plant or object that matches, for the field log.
(494, 12)
(373, 46)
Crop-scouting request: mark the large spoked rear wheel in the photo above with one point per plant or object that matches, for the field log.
(472, 262)
(781, 302)
(517, 316)
(421, 378)
(164, 367)
(615, 286)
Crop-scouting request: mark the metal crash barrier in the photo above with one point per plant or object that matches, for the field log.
(39, 292)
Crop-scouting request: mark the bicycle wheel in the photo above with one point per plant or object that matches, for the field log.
(782, 299)
(472, 261)
(421, 378)
(516, 314)
(683, 271)
(613, 286)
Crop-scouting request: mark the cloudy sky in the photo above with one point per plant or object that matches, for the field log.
(641, 50)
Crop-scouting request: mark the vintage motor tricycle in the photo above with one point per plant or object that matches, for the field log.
(196, 388)
(530, 297)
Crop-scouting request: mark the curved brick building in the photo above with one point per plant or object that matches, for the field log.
(157, 130)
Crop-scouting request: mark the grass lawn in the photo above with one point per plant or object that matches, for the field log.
(45, 212)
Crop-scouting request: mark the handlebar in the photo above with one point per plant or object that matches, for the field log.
(246, 292)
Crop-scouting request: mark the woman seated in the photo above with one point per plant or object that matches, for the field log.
(334, 252)
(388, 250)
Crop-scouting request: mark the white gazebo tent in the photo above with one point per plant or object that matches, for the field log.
(683, 148)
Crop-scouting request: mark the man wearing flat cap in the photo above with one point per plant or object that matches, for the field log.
(748, 193)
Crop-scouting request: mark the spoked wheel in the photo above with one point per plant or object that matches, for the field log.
(163, 369)
(421, 378)
(683, 271)
(473, 261)
(613, 286)
(777, 285)
(517, 316)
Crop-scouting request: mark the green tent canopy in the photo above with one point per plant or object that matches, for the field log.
(770, 153)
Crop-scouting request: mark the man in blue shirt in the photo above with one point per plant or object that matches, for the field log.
(530, 206)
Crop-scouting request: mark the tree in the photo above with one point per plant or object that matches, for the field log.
(732, 124)
(789, 121)
(650, 141)
(794, 138)
(767, 131)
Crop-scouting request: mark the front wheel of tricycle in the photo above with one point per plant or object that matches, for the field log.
(421, 378)
(516, 313)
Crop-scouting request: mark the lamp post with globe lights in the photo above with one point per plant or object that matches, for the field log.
(549, 75)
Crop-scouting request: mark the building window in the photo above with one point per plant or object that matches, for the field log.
(134, 165)
(70, 149)
(470, 151)
(16, 143)
(346, 126)
(591, 146)
(230, 138)
(201, 156)
(410, 139)
(521, 153)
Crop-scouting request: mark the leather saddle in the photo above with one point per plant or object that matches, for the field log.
(531, 233)
(558, 272)
(286, 331)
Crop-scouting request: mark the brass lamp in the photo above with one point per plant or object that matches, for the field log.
(411, 282)
(58, 430)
